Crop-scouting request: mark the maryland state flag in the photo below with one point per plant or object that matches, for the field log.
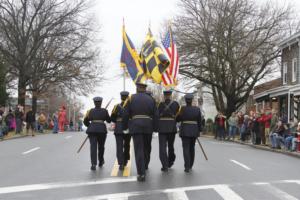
(130, 59)
(154, 60)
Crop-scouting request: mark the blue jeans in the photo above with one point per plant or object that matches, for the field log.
(280, 140)
(288, 142)
(273, 140)
(221, 132)
(55, 127)
(232, 131)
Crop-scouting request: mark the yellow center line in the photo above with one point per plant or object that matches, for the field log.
(115, 169)
(127, 169)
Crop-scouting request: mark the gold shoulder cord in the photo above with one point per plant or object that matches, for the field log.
(179, 111)
(114, 109)
(87, 113)
(126, 101)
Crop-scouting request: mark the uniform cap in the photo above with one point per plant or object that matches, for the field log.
(97, 99)
(189, 96)
(141, 85)
(124, 93)
(149, 92)
(166, 92)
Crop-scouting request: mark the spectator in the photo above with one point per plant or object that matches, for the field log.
(71, 125)
(10, 120)
(41, 121)
(80, 124)
(245, 129)
(30, 122)
(277, 134)
(55, 123)
(240, 117)
(233, 124)
(255, 128)
(262, 123)
(19, 114)
(267, 121)
(274, 121)
(220, 124)
(290, 140)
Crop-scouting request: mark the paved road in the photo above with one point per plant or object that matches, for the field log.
(48, 167)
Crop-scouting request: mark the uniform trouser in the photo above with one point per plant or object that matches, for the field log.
(188, 145)
(166, 159)
(123, 148)
(147, 147)
(139, 151)
(97, 140)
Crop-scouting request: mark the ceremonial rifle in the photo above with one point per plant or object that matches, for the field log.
(202, 149)
(88, 136)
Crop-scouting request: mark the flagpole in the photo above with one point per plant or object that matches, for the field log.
(124, 70)
(124, 79)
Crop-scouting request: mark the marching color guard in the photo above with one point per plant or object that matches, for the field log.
(167, 129)
(190, 118)
(121, 131)
(94, 120)
(141, 111)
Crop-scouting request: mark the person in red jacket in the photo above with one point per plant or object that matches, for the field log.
(267, 121)
(62, 118)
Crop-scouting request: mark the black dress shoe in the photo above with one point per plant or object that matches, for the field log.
(170, 165)
(121, 167)
(164, 169)
(141, 178)
(187, 170)
(101, 164)
(93, 167)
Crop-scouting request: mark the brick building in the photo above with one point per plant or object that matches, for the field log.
(283, 94)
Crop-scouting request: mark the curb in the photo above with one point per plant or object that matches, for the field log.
(22, 136)
(294, 154)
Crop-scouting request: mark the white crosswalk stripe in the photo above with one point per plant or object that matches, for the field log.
(225, 191)
(276, 192)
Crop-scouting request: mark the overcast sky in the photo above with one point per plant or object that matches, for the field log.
(137, 14)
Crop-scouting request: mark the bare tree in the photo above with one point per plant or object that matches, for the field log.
(229, 45)
(46, 42)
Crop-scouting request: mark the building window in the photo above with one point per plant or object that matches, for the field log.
(284, 73)
(294, 77)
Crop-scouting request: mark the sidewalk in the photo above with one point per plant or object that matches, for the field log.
(262, 147)
(13, 135)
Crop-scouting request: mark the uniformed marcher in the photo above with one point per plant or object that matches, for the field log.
(97, 131)
(141, 110)
(190, 118)
(121, 132)
(167, 129)
(148, 144)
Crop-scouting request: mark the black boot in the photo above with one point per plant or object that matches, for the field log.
(141, 178)
(93, 167)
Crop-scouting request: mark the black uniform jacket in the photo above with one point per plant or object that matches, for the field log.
(141, 114)
(94, 120)
(167, 116)
(190, 118)
(117, 116)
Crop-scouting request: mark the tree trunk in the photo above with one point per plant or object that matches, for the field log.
(231, 107)
(34, 101)
(21, 90)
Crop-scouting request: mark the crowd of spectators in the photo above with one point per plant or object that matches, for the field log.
(260, 128)
(15, 120)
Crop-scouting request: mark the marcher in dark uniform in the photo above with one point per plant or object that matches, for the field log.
(121, 133)
(167, 129)
(97, 131)
(141, 111)
(148, 145)
(190, 118)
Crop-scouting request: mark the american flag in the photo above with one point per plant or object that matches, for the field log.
(169, 77)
